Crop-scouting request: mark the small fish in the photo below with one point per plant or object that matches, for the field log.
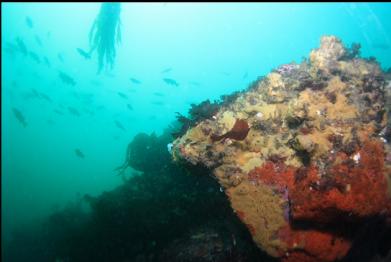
(58, 112)
(35, 57)
(46, 97)
(73, 111)
(130, 107)
(159, 103)
(135, 81)
(11, 48)
(79, 153)
(29, 22)
(66, 78)
(122, 95)
(158, 94)
(19, 116)
(60, 57)
(166, 70)
(83, 53)
(38, 40)
(22, 47)
(152, 117)
(170, 81)
(245, 75)
(194, 83)
(119, 125)
(96, 82)
(226, 73)
(50, 122)
(382, 46)
(46, 60)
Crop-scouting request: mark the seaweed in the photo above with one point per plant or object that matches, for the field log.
(105, 33)
(197, 113)
(238, 132)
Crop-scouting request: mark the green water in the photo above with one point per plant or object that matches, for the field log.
(209, 49)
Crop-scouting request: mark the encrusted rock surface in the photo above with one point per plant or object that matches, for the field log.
(304, 154)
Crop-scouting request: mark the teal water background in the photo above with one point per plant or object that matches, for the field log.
(212, 49)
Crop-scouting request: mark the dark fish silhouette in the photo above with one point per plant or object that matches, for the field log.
(194, 83)
(83, 53)
(66, 79)
(167, 70)
(38, 40)
(245, 75)
(170, 81)
(46, 60)
(35, 57)
(22, 47)
(130, 107)
(50, 122)
(19, 116)
(29, 22)
(122, 95)
(60, 57)
(73, 111)
(58, 112)
(382, 46)
(119, 125)
(158, 94)
(96, 82)
(135, 81)
(46, 97)
(11, 48)
(159, 103)
(226, 73)
(79, 153)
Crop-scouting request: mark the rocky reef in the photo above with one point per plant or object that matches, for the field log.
(303, 155)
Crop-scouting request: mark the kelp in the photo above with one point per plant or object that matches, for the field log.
(105, 33)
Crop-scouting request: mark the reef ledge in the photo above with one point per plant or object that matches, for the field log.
(304, 155)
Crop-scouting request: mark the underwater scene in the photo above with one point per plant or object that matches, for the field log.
(196, 132)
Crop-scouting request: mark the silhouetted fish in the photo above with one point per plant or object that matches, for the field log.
(194, 83)
(79, 153)
(73, 111)
(135, 81)
(46, 97)
(66, 79)
(130, 107)
(158, 94)
(170, 81)
(11, 48)
(35, 57)
(60, 57)
(50, 122)
(46, 60)
(38, 40)
(226, 73)
(29, 22)
(122, 95)
(22, 47)
(96, 82)
(382, 46)
(159, 103)
(19, 116)
(245, 75)
(167, 70)
(119, 125)
(58, 112)
(83, 53)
